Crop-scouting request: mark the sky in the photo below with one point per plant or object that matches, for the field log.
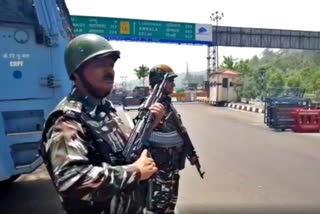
(274, 14)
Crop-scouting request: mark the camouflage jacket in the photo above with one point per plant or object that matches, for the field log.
(82, 163)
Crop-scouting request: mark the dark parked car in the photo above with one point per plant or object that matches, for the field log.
(132, 102)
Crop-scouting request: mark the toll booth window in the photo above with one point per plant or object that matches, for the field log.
(21, 11)
(225, 82)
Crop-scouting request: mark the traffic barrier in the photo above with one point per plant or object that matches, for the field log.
(277, 112)
(306, 120)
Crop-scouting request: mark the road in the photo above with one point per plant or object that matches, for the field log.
(249, 169)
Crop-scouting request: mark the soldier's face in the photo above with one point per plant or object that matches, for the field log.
(170, 86)
(100, 74)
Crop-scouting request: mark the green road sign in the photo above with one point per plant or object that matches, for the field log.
(144, 30)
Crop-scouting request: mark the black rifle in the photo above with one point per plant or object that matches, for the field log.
(143, 124)
(190, 150)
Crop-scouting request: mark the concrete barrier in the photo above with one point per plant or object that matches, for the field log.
(245, 107)
(239, 106)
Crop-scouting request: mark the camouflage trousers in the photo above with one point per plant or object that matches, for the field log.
(165, 186)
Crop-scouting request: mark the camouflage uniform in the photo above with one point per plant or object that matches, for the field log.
(166, 147)
(81, 140)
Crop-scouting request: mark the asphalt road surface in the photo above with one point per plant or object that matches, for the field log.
(249, 168)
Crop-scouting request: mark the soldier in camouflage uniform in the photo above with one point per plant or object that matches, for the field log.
(167, 149)
(83, 136)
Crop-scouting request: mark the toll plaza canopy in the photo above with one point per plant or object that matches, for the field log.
(144, 30)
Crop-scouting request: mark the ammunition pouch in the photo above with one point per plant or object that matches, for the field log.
(169, 158)
(167, 150)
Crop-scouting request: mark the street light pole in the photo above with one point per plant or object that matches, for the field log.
(216, 17)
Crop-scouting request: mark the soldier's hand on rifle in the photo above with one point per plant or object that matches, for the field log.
(158, 111)
(146, 165)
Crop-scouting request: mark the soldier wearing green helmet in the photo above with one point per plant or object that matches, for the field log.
(157, 73)
(167, 148)
(86, 47)
(83, 135)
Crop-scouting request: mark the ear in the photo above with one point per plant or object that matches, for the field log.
(75, 77)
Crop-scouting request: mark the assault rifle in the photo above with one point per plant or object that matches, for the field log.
(191, 153)
(143, 124)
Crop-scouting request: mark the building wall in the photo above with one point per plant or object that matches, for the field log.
(220, 94)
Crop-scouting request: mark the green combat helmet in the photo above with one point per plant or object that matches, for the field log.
(157, 73)
(85, 47)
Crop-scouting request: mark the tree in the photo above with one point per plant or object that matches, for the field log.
(261, 82)
(238, 88)
(249, 90)
(276, 70)
(268, 56)
(316, 80)
(276, 79)
(308, 78)
(142, 72)
(229, 62)
(243, 67)
(294, 81)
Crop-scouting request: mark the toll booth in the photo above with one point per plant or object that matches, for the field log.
(221, 86)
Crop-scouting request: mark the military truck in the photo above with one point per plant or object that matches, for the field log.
(33, 37)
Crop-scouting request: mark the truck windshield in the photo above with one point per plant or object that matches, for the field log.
(21, 11)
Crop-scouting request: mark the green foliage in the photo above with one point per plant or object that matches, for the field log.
(276, 79)
(243, 66)
(228, 62)
(249, 90)
(142, 72)
(294, 80)
(277, 69)
(238, 88)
